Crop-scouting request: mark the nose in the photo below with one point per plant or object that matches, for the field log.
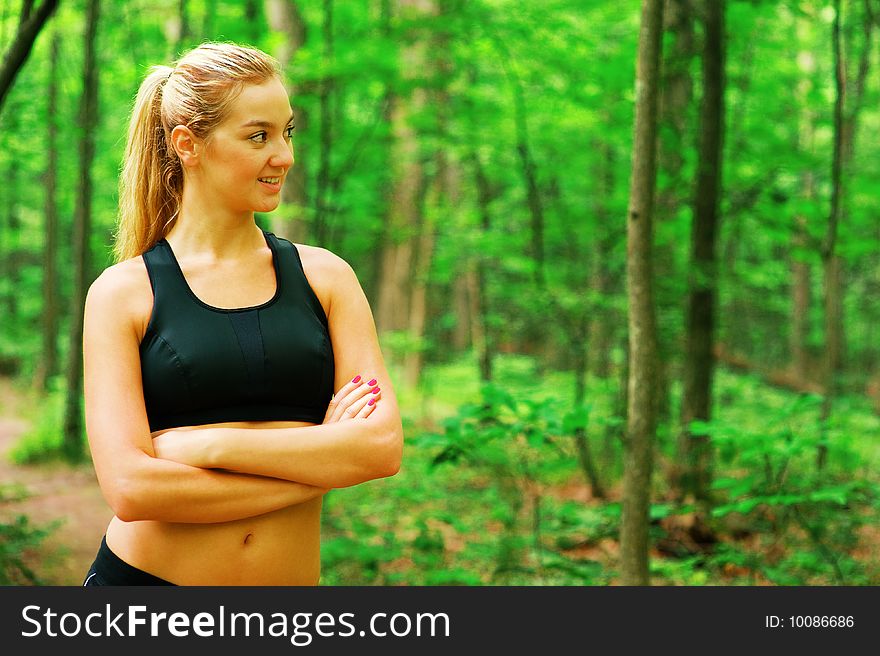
(283, 155)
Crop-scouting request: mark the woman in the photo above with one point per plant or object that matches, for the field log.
(212, 348)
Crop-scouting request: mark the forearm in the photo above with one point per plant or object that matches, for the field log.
(333, 455)
(168, 491)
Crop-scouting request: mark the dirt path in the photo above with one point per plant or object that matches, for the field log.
(53, 492)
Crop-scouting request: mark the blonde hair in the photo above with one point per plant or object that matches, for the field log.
(196, 92)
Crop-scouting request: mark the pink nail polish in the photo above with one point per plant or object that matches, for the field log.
(371, 401)
(372, 382)
(375, 390)
(356, 379)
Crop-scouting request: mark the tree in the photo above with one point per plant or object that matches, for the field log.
(49, 363)
(445, 193)
(702, 293)
(845, 121)
(289, 221)
(29, 26)
(325, 100)
(641, 411)
(471, 290)
(88, 119)
(408, 184)
(675, 102)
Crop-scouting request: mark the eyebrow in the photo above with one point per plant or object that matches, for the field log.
(262, 124)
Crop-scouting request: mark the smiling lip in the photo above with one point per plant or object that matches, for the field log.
(273, 186)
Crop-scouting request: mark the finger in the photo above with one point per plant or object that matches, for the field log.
(340, 394)
(369, 407)
(351, 397)
(344, 402)
(369, 403)
(354, 409)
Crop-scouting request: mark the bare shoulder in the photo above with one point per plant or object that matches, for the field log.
(329, 275)
(322, 262)
(122, 292)
(119, 281)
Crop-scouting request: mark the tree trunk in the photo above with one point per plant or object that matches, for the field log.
(582, 444)
(536, 210)
(16, 55)
(737, 313)
(695, 450)
(397, 249)
(386, 143)
(527, 160)
(419, 300)
(641, 411)
(800, 268)
(675, 100)
(621, 403)
(845, 123)
(461, 303)
(800, 271)
(830, 261)
(251, 14)
(406, 187)
(602, 280)
(49, 360)
(183, 33)
(11, 238)
(10, 232)
(322, 183)
(446, 195)
(536, 336)
(290, 220)
(483, 336)
(88, 119)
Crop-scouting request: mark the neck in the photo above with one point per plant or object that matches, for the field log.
(206, 228)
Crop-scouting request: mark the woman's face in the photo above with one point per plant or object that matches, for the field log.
(249, 154)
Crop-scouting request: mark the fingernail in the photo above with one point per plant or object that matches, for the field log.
(356, 379)
(371, 401)
(375, 390)
(372, 382)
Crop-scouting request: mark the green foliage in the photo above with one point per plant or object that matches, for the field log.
(516, 439)
(478, 498)
(773, 485)
(18, 539)
(463, 509)
(44, 441)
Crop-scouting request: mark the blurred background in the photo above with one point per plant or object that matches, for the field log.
(471, 159)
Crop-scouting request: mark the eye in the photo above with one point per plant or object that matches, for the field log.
(259, 135)
(289, 131)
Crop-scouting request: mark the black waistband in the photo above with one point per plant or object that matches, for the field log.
(115, 571)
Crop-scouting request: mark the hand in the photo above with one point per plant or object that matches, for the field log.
(183, 445)
(355, 400)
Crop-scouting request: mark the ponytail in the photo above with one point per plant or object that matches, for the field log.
(151, 181)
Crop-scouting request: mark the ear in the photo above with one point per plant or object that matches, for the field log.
(187, 145)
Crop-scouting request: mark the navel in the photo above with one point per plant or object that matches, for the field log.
(248, 537)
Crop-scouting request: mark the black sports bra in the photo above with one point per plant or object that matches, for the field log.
(205, 365)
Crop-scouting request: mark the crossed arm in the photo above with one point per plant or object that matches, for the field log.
(207, 475)
(356, 443)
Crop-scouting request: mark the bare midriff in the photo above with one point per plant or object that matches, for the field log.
(281, 547)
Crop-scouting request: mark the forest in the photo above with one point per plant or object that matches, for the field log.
(623, 259)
